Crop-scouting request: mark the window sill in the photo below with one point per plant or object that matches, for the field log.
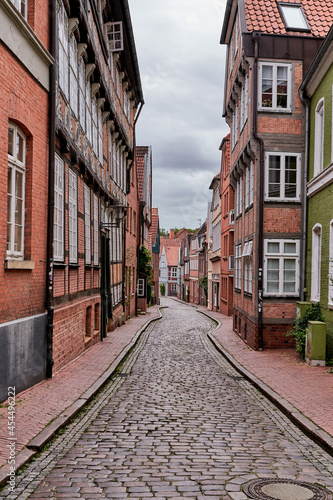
(73, 265)
(27, 265)
(59, 265)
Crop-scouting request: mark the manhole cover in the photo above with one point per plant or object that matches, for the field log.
(284, 489)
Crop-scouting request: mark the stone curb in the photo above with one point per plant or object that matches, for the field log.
(312, 430)
(36, 444)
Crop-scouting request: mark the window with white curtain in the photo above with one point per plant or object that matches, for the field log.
(87, 224)
(63, 49)
(316, 262)
(58, 226)
(281, 267)
(319, 138)
(96, 232)
(82, 94)
(73, 75)
(72, 216)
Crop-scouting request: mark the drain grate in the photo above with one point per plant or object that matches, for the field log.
(284, 489)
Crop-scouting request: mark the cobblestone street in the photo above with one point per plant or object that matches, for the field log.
(177, 421)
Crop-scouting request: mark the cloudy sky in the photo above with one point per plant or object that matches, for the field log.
(182, 72)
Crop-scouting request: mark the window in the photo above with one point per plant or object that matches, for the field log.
(330, 267)
(238, 267)
(114, 35)
(21, 6)
(236, 36)
(281, 267)
(16, 192)
(247, 254)
(316, 263)
(100, 136)
(282, 182)
(274, 87)
(216, 237)
(174, 272)
(231, 51)
(239, 196)
(94, 125)
(141, 287)
(244, 102)
(96, 231)
(73, 75)
(63, 49)
(72, 216)
(88, 111)
(82, 94)
(58, 230)
(87, 226)
(234, 129)
(319, 138)
(293, 17)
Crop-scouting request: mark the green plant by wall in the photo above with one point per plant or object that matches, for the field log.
(145, 267)
(203, 282)
(162, 289)
(298, 332)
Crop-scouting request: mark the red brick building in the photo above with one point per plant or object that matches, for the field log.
(24, 158)
(154, 247)
(227, 231)
(270, 47)
(98, 95)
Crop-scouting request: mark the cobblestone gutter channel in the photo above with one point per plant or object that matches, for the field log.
(176, 420)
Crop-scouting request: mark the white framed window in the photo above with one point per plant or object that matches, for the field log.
(238, 267)
(293, 16)
(330, 268)
(94, 125)
(22, 7)
(231, 52)
(100, 136)
(281, 267)
(239, 196)
(63, 49)
(58, 226)
(140, 290)
(96, 232)
(248, 266)
(72, 216)
(234, 128)
(274, 89)
(88, 111)
(82, 94)
(87, 224)
(16, 192)
(174, 272)
(244, 102)
(316, 262)
(216, 237)
(236, 36)
(282, 176)
(114, 35)
(318, 163)
(73, 75)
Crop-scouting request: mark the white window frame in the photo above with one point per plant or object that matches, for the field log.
(330, 268)
(96, 232)
(22, 7)
(58, 225)
(236, 36)
(275, 107)
(72, 217)
(248, 266)
(63, 49)
(302, 26)
(114, 36)
(239, 196)
(73, 75)
(283, 156)
(87, 224)
(318, 160)
(16, 169)
(238, 267)
(316, 262)
(82, 94)
(282, 256)
(140, 289)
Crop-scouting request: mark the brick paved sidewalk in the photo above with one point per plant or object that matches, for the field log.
(38, 406)
(308, 389)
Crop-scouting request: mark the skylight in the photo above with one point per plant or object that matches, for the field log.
(293, 17)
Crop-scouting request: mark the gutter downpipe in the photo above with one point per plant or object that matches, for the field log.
(306, 103)
(50, 210)
(256, 35)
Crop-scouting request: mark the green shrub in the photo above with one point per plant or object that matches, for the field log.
(298, 332)
(162, 289)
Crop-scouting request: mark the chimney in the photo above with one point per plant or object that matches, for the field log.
(172, 233)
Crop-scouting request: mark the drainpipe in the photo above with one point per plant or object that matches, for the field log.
(50, 211)
(256, 38)
(306, 103)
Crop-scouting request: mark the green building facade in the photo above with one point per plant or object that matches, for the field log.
(317, 89)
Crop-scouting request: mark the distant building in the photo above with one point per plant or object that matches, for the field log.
(169, 256)
(154, 247)
(214, 251)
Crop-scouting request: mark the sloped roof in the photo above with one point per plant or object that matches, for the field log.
(181, 234)
(216, 178)
(172, 253)
(264, 15)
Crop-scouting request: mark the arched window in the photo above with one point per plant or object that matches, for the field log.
(316, 262)
(16, 192)
(319, 138)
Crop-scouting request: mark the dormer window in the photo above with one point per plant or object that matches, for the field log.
(293, 17)
(21, 6)
(114, 34)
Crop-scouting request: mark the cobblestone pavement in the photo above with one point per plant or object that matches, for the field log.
(176, 422)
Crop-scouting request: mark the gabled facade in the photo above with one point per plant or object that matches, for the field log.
(197, 265)
(170, 249)
(98, 93)
(25, 84)
(227, 231)
(268, 55)
(317, 90)
(154, 247)
(214, 251)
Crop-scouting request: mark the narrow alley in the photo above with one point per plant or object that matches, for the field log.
(178, 421)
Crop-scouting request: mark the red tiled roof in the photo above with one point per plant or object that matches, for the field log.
(264, 15)
(153, 227)
(172, 253)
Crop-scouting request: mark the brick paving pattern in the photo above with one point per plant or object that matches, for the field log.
(182, 423)
(37, 406)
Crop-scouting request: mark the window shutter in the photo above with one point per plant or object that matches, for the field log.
(114, 34)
